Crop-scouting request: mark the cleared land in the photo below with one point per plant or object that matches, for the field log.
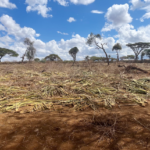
(53, 106)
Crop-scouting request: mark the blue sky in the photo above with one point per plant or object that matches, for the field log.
(56, 26)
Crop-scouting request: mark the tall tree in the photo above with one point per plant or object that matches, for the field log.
(73, 52)
(53, 57)
(30, 51)
(138, 48)
(92, 39)
(117, 47)
(147, 53)
(4, 51)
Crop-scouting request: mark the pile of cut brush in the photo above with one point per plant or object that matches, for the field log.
(28, 91)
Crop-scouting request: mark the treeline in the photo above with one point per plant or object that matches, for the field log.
(140, 48)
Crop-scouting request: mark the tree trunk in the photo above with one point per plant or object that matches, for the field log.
(136, 57)
(74, 59)
(101, 47)
(106, 56)
(141, 58)
(22, 58)
(117, 55)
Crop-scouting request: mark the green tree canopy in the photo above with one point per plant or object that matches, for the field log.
(138, 48)
(130, 56)
(73, 52)
(95, 58)
(37, 59)
(53, 57)
(93, 39)
(117, 47)
(4, 51)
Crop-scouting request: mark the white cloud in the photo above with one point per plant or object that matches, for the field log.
(142, 5)
(6, 39)
(37, 35)
(12, 28)
(76, 2)
(126, 32)
(136, 4)
(2, 27)
(62, 33)
(71, 19)
(83, 2)
(117, 16)
(7, 4)
(145, 16)
(62, 2)
(40, 6)
(97, 12)
(16, 34)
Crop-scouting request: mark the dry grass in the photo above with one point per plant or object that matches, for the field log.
(41, 86)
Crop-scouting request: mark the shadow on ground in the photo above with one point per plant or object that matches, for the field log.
(74, 131)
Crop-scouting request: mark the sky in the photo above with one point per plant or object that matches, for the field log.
(56, 26)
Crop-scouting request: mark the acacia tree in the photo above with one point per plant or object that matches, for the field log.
(92, 39)
(4, 51)
(73, 52)
(147, 52)
(30, 51)
(138, 48)
(53, 57)
(117, 47)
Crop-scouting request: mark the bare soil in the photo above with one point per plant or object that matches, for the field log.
(125, 128)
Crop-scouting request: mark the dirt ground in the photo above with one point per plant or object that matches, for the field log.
(125, 128)
(121, 127)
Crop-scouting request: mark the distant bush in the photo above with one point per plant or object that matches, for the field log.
(43, 60)
(37, 60)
